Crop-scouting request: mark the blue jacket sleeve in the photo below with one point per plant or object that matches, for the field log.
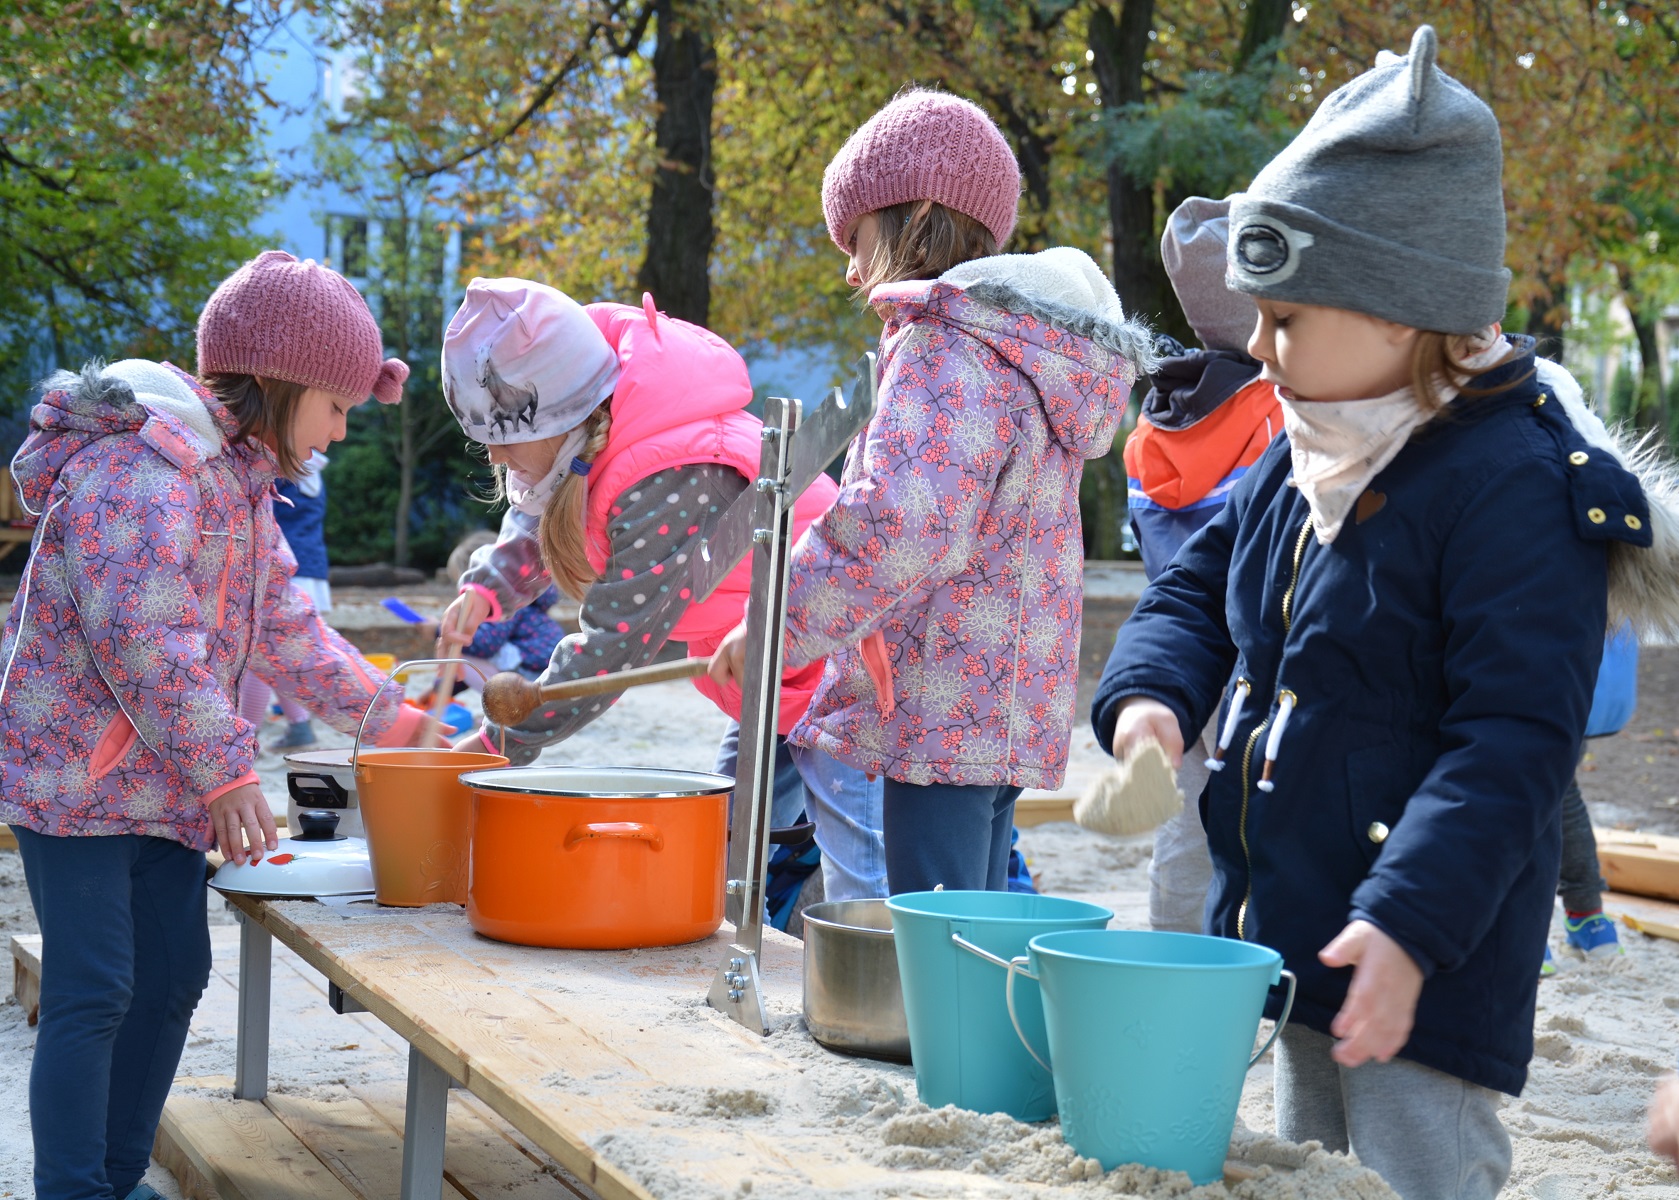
(1175, 647)
(1524, 602)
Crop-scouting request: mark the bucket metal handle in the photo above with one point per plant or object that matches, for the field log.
(623, 831)
(1008, 988)
(355, 747)
(1288, 1007)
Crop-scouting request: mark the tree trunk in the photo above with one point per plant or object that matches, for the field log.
(1652, 397)
(1119, 49)
(1546, 317)
(1032, 149)
(680, 228)
(1266, 22)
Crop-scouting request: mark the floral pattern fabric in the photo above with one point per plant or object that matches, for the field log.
(157, 578)
(956, 538)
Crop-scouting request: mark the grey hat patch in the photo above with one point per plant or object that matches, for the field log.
(1266, 251)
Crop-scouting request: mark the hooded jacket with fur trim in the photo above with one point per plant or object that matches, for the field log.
(1431, 671)
(946, 583)
(157, 578)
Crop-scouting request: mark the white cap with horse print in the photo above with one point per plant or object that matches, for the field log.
(522, 361)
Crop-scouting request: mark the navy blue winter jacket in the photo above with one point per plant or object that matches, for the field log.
(1443, 651)
(303, 523)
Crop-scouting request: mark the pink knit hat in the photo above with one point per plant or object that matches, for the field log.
(924, 146)
(298, 321)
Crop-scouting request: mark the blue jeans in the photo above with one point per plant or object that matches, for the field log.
(843, 802)
(125, 955)
(949, 834)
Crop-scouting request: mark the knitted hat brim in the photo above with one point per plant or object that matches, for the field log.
(1269, 239)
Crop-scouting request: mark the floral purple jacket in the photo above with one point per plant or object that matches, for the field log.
(946, 582)
(157, 578)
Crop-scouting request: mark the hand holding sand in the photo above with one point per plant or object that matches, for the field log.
(1141, 719)
(1136, 795)
(1375, 1019)
(241, 817)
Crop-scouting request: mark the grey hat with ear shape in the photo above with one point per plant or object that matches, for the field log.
(1390, 202)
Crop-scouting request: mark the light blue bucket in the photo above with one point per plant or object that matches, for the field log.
(960, 1035)
(1150, 1037)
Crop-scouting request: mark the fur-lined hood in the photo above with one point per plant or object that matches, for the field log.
(1643, 581)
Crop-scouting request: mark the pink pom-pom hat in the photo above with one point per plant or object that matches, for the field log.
(299, 321)
(924, 146)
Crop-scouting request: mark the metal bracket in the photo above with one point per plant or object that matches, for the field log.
(341, 1001)
(736, 990)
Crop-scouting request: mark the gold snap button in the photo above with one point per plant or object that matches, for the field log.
(1539, 401)
(1578, 458)
(1596, 516)
(1377, 832)
(1633, 522)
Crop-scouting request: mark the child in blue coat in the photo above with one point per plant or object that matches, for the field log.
(1397, 618)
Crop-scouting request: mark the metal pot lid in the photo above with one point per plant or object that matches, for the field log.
(298, 868)
(599, 783)
(321, 760)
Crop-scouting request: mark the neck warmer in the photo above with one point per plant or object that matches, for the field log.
(1338, 447)
(531, 496)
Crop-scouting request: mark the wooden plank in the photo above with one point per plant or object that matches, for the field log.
(1042, 810)
(1640, 868)
(8, 839)
(1658, 918)
(26, 974)
(244, 1151)
(363, 1152)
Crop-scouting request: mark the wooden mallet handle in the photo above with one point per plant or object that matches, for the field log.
(509, 697)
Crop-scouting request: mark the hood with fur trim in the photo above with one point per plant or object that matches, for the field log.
(1643, 581)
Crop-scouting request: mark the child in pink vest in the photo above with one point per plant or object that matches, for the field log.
(158, 579)
(619, 431)
(945, 585)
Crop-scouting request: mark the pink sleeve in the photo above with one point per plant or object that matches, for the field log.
(248, 777)
(489, 597)
(405, 730)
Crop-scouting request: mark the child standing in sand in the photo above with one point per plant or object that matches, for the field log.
(1402, 607)
(618, 432)
(156, 580)
(945, 585)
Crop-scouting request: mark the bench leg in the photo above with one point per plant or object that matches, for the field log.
(423, 1127)
(256, 970)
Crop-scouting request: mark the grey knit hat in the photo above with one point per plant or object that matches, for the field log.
(1194, 249)
(1388, 203)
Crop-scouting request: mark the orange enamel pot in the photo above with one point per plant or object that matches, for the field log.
(597, 858)
(418, 821)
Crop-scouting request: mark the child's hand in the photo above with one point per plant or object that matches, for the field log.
(1375, 1019)
(1664, 1119)
(240, 816)
(462, 618)
(1142, 719)
(728, 664)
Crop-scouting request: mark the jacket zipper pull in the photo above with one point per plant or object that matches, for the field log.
(1286, 700)
(1233, 718)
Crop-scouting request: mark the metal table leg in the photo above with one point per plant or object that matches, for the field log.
(423, 1128)
(256, 969)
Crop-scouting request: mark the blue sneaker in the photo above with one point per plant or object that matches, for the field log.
(1547, 968)
(1593, 935)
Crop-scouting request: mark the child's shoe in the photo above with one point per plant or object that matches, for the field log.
(298, 734)
(1547, 968)
(1592, 934)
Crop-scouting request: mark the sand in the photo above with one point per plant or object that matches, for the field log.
(1605, 1032)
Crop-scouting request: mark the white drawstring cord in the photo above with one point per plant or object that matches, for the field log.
(1233, 718)
(1286, 700)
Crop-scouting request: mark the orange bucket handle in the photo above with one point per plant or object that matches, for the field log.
(355, 747)
(624, 831)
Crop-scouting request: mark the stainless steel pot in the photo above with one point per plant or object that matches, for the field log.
(853, 1001)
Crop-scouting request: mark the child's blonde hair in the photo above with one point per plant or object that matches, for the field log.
(922, 239)
(1437, 357)
(561, 529)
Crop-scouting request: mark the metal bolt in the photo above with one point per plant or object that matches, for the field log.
(735, 994)
(770, 433)
(766, 484)
(735, 887)
(736, 964)
(763, 536)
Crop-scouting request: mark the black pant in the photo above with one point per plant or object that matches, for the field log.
(1580, 886)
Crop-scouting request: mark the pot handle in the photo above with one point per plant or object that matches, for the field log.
(1288, 1007)
(622, 831)
(317, 791)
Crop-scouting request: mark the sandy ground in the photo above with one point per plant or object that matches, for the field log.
(1605, 1030)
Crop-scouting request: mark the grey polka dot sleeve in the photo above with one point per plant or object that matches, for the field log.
(627, 617)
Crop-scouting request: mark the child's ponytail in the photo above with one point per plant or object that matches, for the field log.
(565, 547)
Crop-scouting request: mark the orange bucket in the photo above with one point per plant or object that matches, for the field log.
(418, 818)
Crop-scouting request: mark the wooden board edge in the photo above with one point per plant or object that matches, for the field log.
(8, 839)
(1042, 810)
(26, 974)
(277, 1153)
(172, 1157)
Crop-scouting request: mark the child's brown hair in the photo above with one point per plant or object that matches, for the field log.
(263, 407)
(922, 239)
(1437, 357)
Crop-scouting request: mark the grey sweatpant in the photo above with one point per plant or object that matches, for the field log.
(1430, 1135)
(1181, 872)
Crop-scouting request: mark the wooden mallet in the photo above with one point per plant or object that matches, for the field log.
(509, 697)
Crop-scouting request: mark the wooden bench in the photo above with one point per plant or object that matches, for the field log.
(17, 527)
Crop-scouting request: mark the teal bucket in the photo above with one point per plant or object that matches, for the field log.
(1150, 1036)
(961, 1040)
